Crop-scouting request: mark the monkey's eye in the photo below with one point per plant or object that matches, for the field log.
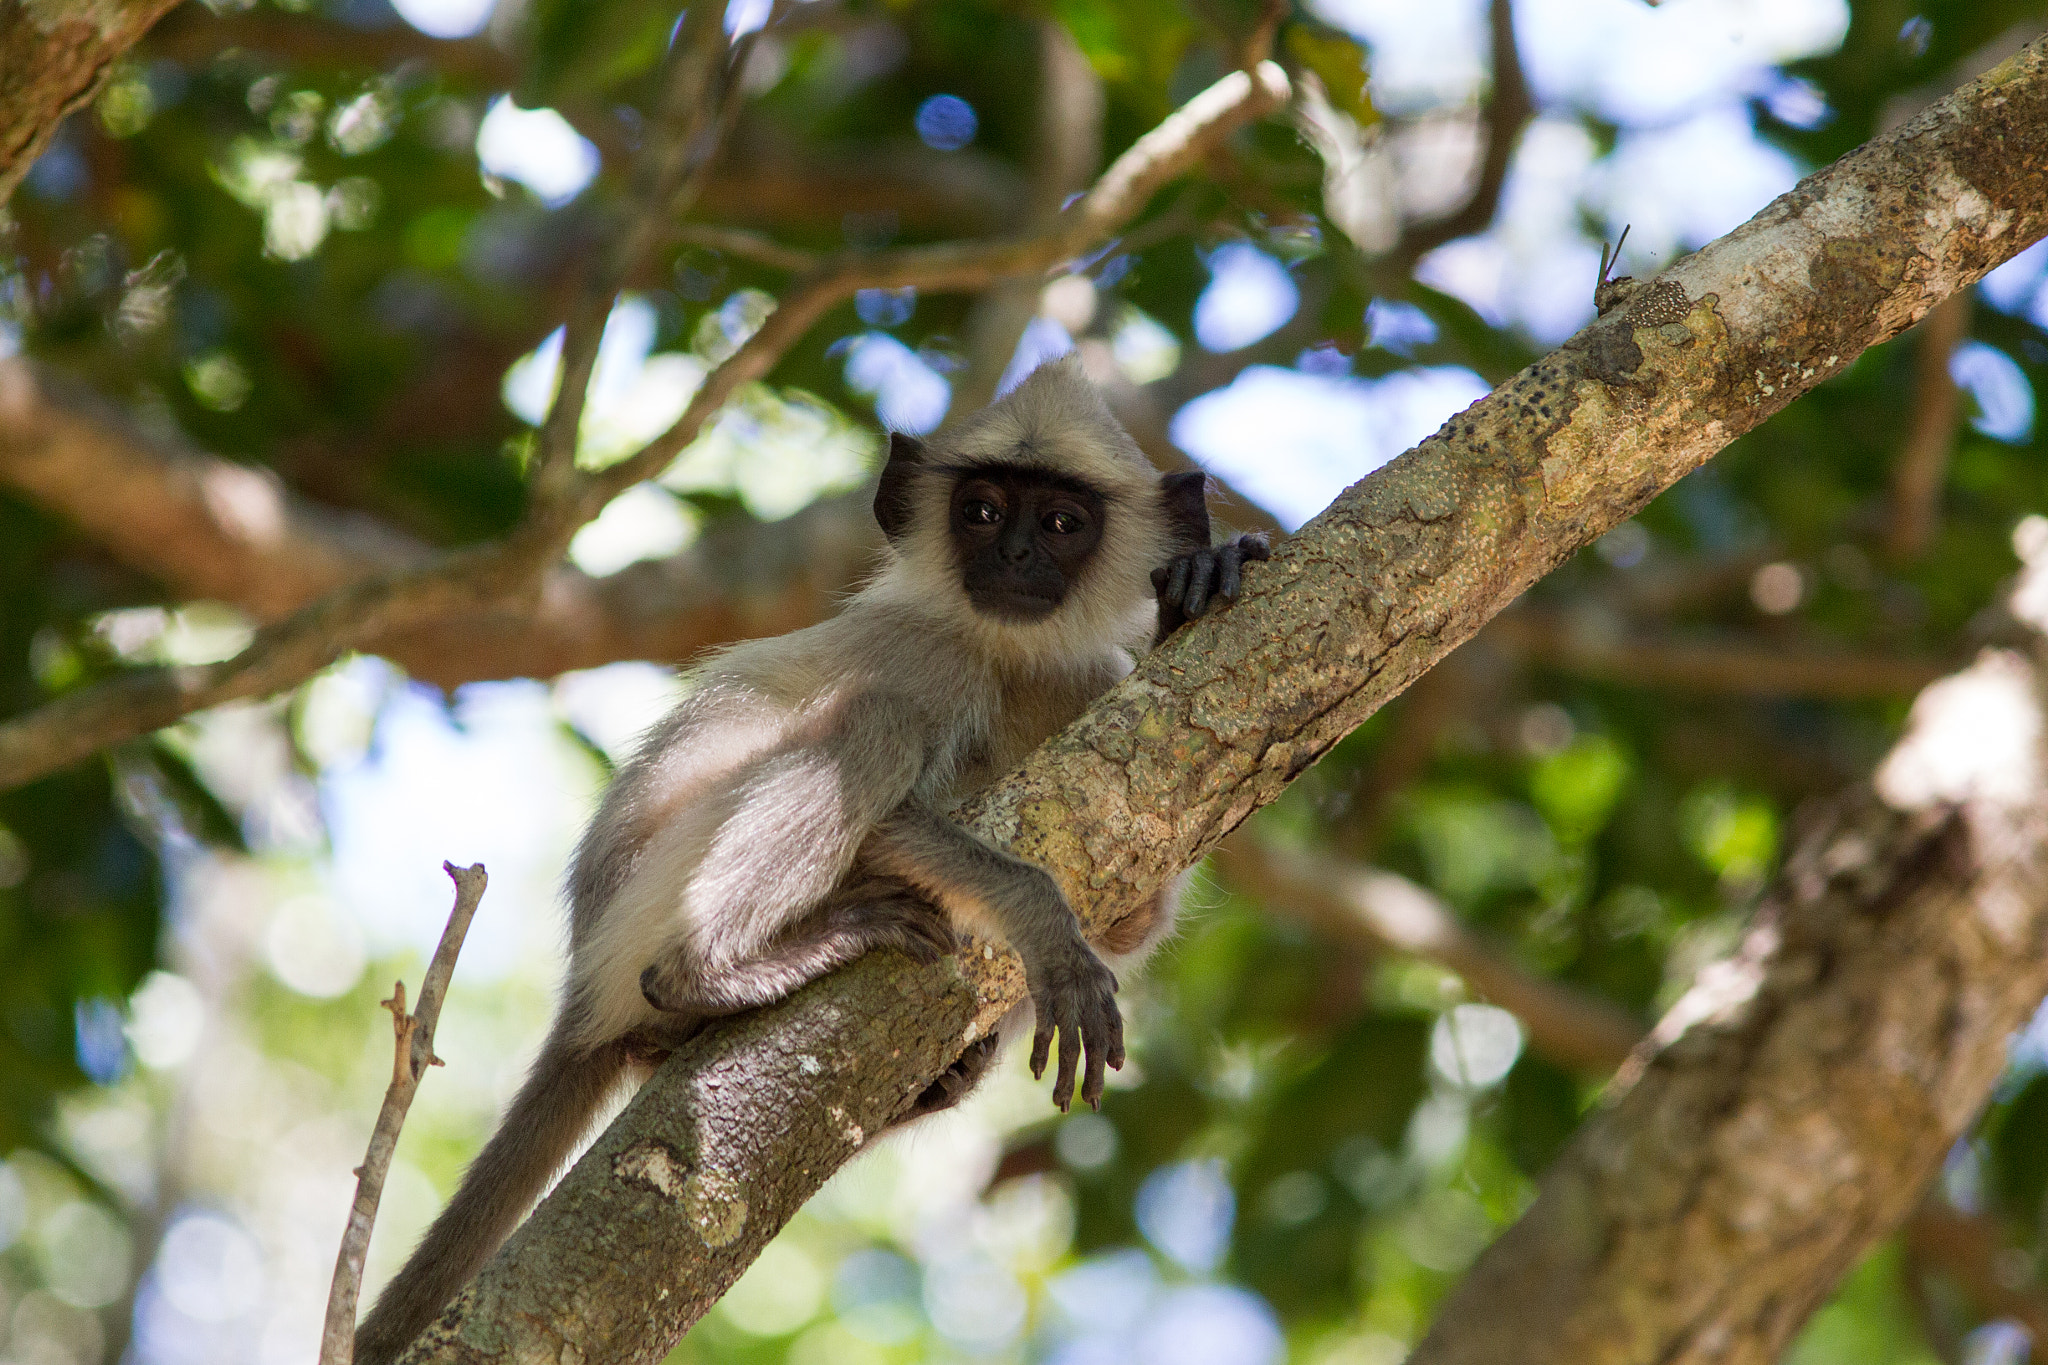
(978, 512)
(1061, 523)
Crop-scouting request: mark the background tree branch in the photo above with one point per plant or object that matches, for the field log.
(1791, 1107)
(743, 1125)
(479, 579)
(53, 59)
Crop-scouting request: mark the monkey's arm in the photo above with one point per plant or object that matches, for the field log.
(1072, 992)
(1189, 583)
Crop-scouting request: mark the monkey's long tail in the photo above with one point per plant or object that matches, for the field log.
(550, 1113)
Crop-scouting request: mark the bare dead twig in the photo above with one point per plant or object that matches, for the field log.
(1931, 438)
(413, 1054)
(282, 655)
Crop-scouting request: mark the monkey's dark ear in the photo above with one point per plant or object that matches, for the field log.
(892, 499)
(1186, 498)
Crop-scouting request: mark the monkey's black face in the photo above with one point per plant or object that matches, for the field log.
(1023, 538)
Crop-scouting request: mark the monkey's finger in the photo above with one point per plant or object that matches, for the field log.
(1070, 1059)
(1232, 561)
(1255, 545)
(1041, 1041)
(1159, 579)
(1201, 575)
(1177, 579)
(1105, 1026)
(1091, 1080)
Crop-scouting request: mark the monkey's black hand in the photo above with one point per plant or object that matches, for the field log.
(1188, 584)
(1074, 993)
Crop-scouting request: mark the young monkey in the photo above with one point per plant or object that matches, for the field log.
(791, 814)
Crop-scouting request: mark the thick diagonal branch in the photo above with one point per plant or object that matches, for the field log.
(741, 1127)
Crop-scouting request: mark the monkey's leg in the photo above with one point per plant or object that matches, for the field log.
(847, 928)
(1072, 992)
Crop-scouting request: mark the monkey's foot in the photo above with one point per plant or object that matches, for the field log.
(1074, 994)
(957, 1081)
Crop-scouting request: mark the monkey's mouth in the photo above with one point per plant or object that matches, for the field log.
(1014, 604)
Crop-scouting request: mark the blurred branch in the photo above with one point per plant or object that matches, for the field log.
(748, 245)
(414, 1053)
(476, 580)
(210, 527)
(1348, 901)
(1970, 1248)
(765, 180)
(699, 98)
(194, 35)
(1066, 151)
(1161, 155)
(1733, 666)
(1507, 111)
(1931, 438)
(1792, 1107)
(213, 529)
(54, 57)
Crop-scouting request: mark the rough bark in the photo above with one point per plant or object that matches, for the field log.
(54, 56)
(1792, 1106)
(738, 1129)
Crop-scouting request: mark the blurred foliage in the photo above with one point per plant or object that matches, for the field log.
(271, 234)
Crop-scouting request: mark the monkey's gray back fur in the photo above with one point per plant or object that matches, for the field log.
(664, 868)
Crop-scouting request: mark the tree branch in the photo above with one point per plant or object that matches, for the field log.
(414, 1034)
(1967, 1246)
(1789, 1110)
(1931, 438)
(489, 577)
(748, 245)
(1350, 902)
(1508, 110)
(53, 59)
(699, 95)
(747, 1121)
(1067, 150)
(1735, 666)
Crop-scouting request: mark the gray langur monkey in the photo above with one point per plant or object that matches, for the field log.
(791, 813)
